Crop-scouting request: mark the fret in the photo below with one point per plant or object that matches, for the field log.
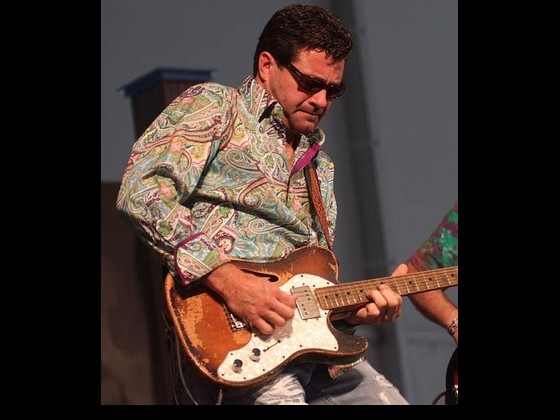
(426, 282)
(412, 283)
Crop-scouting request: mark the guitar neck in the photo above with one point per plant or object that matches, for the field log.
(348, 295)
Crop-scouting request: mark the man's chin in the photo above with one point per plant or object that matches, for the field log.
(308, 126)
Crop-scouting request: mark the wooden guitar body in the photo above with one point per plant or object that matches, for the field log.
(223, 347)
(230, 353)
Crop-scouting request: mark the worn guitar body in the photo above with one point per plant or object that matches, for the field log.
(231, 354)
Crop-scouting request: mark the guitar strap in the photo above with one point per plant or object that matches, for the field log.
(316, 199)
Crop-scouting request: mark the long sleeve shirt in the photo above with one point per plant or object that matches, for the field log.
(209, 181)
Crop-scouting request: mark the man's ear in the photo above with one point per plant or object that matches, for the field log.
(266, 62)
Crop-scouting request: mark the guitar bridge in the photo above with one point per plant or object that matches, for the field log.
(305, 302)
(235, 324)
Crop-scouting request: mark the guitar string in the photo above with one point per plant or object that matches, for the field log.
(354, 293)
(440, 280)
(444, 275)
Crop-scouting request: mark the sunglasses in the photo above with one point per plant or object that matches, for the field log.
(311, 85)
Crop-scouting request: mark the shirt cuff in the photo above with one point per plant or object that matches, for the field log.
(196, 256)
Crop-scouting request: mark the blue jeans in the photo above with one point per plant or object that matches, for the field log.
(311, 384)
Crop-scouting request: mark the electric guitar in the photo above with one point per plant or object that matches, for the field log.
(228, 352)
(452, 379)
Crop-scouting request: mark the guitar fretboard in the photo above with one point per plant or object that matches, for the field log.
(353, 294)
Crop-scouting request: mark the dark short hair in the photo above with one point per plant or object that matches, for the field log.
(303, 27)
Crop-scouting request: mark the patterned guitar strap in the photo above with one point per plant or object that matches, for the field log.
(317, 200)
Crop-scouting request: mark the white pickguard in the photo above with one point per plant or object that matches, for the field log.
(297, 335)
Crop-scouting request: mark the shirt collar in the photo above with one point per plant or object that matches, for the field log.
(256, 98)
(262, 104)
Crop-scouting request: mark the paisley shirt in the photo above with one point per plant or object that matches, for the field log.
(209, 181)
(441, 248)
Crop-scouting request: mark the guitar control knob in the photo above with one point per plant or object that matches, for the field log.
(255, 355)
(237, 366)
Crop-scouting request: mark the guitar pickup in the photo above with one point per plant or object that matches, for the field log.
(305, 302)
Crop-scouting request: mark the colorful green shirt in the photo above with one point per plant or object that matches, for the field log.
(441, 248)
(209, 181)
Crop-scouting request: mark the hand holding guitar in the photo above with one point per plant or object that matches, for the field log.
(260, 303)
(384, 306)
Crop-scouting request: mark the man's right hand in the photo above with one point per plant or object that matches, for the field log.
(252, 297)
